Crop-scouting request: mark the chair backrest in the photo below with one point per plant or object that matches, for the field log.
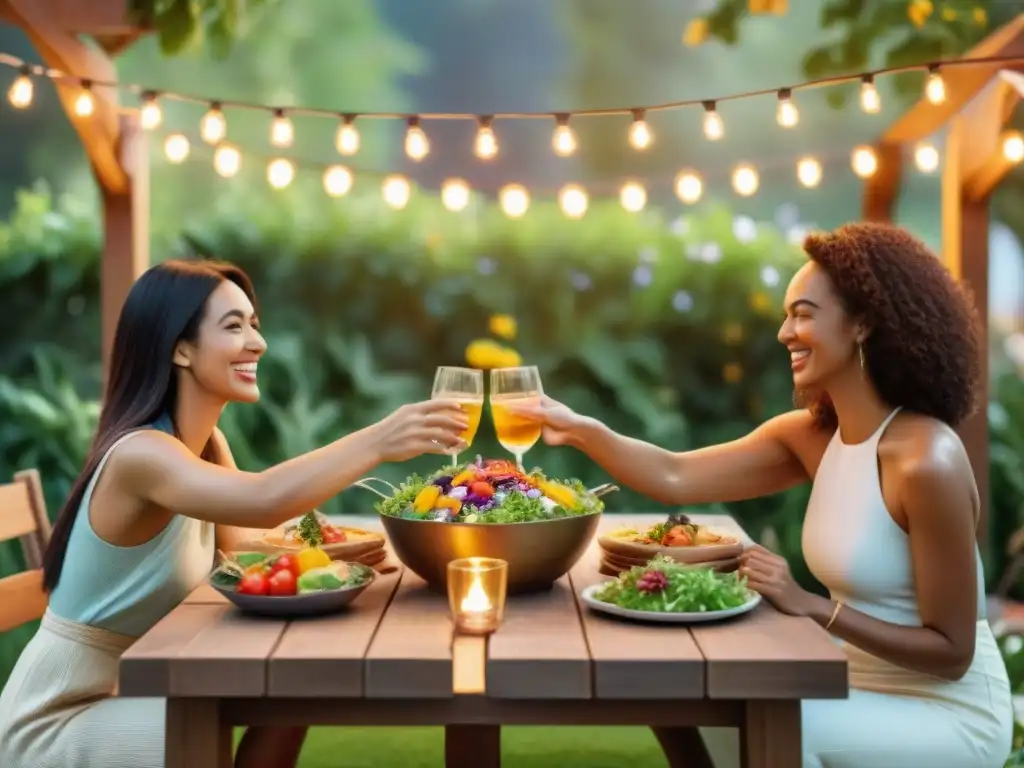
(23, 516)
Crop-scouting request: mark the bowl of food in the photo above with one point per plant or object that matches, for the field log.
(306, 583)
(491, 508)
(352, 545)
(678, 538)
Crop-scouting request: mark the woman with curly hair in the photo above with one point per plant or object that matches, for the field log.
(884, 349)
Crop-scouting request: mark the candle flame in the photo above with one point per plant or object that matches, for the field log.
(476, 599)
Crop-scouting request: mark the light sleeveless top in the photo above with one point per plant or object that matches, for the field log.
(129, 589)
(851, 543)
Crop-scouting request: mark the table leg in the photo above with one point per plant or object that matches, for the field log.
(472, 746)
(683, 746)
(770, 736)
(196, 736)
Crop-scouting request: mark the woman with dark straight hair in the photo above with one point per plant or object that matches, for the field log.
(158, 495)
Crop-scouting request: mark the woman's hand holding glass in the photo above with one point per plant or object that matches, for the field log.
(433, 426)
(464, 386)
(558, 424)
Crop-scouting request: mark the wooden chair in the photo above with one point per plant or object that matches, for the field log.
(23, 516)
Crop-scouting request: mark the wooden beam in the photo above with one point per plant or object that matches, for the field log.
(95, 18)
(882, 189)
(63, 51)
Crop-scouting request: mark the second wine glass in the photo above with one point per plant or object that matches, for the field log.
(510, 387)
(466, 386)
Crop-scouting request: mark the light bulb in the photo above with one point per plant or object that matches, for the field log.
(787, 114)
(21, 91)
(633, 196)
(455, 194)
(486, 144)
(926, 157)
(347, 138)
(213, 126)
(808, 171)
(870, 101)
(714, 128)
(282, 132)
(337, 181)
(573, 200)
(396, 191)
(639, 133)
(280, 173)
(514, 199)
(150, 116)
(864, 161)
(417, 146)
(1013, 146)
(563, 140)
(689, 187)
(85, 102)
(176, 147)
(745, 180)
(227, 160)
(935, 88)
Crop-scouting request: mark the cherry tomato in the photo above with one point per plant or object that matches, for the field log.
(285, 563)
(333, 536)
(253, 584)
(283, 583)
(481, 488)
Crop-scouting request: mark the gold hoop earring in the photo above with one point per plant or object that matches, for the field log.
(860, 354)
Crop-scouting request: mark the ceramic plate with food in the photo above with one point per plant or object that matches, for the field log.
(678, 538)
(313, 528)
(666, 591)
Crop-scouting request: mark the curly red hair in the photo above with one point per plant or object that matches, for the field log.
(922, 352)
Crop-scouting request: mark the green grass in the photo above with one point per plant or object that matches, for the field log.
(521, 747)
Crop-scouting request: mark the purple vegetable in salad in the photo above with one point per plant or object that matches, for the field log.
(459, 492)
(533, 493)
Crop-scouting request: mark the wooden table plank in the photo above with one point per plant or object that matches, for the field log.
(410, 657)
(145, 668)
(539, 651)
(204, 594)
(325, 656)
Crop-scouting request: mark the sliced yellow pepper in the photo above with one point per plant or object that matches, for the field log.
(426, 499)
(311, 557)
(560, 494)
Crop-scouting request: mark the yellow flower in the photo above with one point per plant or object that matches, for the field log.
(948, 14)
(696, 32)
(980, 16)
(503, 326)
(486, 354)
(918, 12)
(760, 302)
(732, 373)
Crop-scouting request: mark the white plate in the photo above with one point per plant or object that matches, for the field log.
(665, 618)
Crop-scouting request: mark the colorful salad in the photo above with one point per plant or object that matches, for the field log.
(488, 491)
(665, 586)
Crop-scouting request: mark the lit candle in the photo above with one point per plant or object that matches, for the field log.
(477, 608)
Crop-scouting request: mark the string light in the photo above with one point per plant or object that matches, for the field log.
(22, 90)
(926, 157)
(213, 127)
(177, 148)
(745, 180)
(689, 187)
(346, 141)
(150, 115)
(639, 134)
(573, 200)
(870, 101)
(486, 144)
(714, 128)
(1013, 146)
(935, 87)
(808, 171)
(280, 173)
(455, 195)
(514, 200)
(396, 191)
(787, 115)
(337, 180)
(85, 102)
(417, 146)
(227, 160)
(633, 196)
(563, 141)
(282, 132)
(864, 161)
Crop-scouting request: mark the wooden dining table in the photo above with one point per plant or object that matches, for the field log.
(391, 659)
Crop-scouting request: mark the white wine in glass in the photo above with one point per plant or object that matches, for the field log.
(466, 386)
(511, 387)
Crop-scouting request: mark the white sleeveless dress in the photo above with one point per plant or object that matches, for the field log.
(894, 717)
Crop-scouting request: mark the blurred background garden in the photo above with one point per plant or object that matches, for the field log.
(662, 323)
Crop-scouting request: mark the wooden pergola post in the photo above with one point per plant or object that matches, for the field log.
(112, 136)
(979, 102)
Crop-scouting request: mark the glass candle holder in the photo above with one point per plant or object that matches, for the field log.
(476, 593)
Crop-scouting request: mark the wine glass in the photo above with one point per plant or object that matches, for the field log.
(466, 386)
(511, 387)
